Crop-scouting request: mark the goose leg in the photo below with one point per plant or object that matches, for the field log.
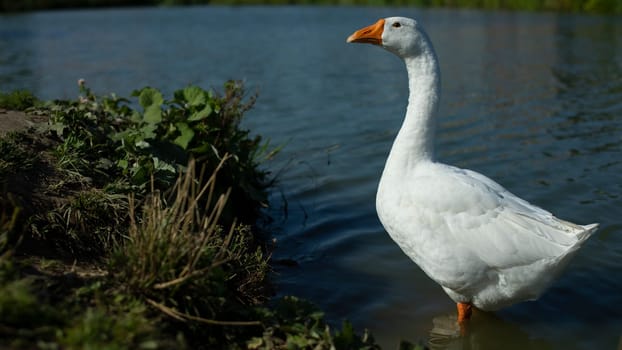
(464, 312)
(464, 315)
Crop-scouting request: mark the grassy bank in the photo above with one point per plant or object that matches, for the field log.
(127, 227)
(588, 6)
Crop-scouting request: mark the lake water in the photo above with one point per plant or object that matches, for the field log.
(532, 100)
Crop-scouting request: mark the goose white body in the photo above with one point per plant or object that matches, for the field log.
(485, 246)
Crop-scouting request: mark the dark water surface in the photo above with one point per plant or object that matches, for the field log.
(532, 100)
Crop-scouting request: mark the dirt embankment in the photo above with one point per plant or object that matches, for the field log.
(16, 120)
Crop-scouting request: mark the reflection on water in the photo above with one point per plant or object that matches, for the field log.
(485, 331)
(532, 100)
(445, 331)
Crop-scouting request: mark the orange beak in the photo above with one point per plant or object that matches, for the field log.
(370, 35)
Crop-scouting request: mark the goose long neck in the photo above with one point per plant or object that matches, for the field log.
(415, 140)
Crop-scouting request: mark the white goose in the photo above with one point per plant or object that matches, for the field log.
(485, 246)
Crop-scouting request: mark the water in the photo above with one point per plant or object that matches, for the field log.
(532, 100)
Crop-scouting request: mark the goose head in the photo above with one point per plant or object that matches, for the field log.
(399, 35)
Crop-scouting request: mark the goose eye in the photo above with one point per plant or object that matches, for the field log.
(396, 25)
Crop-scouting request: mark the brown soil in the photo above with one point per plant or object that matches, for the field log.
(16, 120)
(37, 191)
(40, 259)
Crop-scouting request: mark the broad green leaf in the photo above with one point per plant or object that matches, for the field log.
(148, 131)
(171, 129)
(59, 128)
(143, 144)
(122, 163)
(201, 149)
(136, 117)
(149, 97)
(202, 114)
(140, 175)
(159, 164)
(194, 96)
(153, 114)
(120, 136)
(186, 135)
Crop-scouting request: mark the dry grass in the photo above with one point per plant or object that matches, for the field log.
(180, 259)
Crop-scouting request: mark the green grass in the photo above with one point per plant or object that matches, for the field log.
(124, 325)
(86, 316)
(18, 100)
(16, 155)
(25, 319)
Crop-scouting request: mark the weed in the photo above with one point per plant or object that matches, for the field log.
(297, 324)
(15, 156)
(23, 317)
(124, 325)
(181, 260)
(18, 100)
(104, 149)
(122, 184)
(9, 214)
(19, 306)
(84, 225)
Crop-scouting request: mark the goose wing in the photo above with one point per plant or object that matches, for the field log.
(481, 216)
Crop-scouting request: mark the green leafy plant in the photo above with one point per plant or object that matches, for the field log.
(105, 138)
(108, 147)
